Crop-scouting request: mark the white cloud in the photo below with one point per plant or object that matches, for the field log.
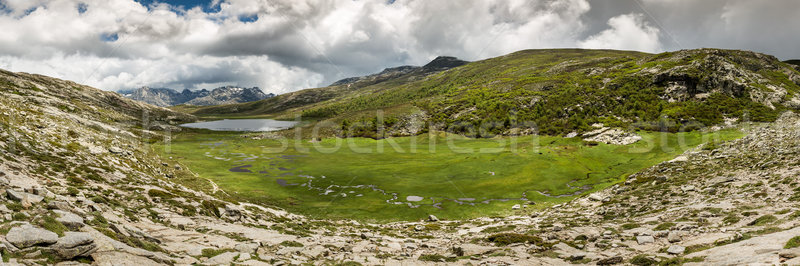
(293, 44)
(627, 32)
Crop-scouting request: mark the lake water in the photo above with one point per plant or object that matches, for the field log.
(243, 125)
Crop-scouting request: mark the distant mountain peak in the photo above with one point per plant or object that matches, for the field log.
(445, 62)
(222, 95)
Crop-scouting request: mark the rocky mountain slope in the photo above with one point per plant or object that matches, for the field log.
(80, 185)
(561, 91)
(337, 90)
(438, 64)
(223, 95)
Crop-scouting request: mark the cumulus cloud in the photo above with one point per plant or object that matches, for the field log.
(286, 45)
(627, 32)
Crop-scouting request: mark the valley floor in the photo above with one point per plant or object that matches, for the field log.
(409, 178)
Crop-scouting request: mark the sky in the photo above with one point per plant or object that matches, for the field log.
(287, 45)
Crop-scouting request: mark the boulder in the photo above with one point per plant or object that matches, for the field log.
(432, 218)
(231, 212)
(23, 196)
(75, 244)
(4, 209)
(59, 205)
(789, 253)
(70, 220)
(248, 248)
(27, 236)
(222, 259)
(243, 257)
(116, 258)
(597, 197)
(676, 250)
(674, 237)
(516, 207)
(71, 263)
(645, 239)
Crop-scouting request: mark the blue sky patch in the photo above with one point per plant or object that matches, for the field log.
(186, 4)
(109, 37)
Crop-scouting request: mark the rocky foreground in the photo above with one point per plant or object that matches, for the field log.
(81, 186)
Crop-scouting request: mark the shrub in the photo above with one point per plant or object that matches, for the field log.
(211, 208)
(210, 252)
(436, 258)
(642, 260)
(511, 238)
(290, 243)
(50, 223)
(664, 226)
(155, 193)
(731, 219)
(629, 226)
(766, 219)
(793, 243)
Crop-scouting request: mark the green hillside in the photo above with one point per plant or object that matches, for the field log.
(557, 91)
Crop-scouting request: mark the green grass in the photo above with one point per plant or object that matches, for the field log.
(438, 166)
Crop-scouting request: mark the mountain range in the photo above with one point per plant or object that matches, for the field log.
(223, 95)
(562, 91)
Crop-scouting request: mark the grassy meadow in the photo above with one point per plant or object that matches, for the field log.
(451, 176)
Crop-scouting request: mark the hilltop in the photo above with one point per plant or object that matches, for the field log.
(559, 90)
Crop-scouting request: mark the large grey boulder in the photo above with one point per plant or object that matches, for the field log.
(645, 239)
(222, 259)
(70, 220)
(676, 250)
(23, 196)
(75, 244)
(27, 236)
(674, 236)
(248, 248)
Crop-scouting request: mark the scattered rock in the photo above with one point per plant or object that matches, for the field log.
(248, 248)
(644, 239)
(789, 253)
(27, 235)
(598, 197)
(75, 244)
(116, 258)
(69, 219)
(676, 250)
(71, 263)
(613, 136)
(243, 257)
(674, 237)
(222, 259)
(23, 196)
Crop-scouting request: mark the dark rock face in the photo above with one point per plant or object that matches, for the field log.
(444, 63)
(441, 63)
(223, 95)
